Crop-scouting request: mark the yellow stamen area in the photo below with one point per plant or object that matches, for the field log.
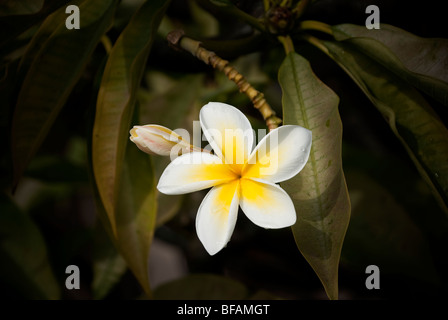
(215, 171)
(224, 196)
(234, 151)
(260, 195)
(266, 163)
(253, 191)
(253, 170)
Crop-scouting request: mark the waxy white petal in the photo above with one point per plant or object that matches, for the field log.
(217, 216)
(192, 172)
(280, 155)
(228, 131)
(266, 204)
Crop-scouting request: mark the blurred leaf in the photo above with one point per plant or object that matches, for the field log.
(55, 69)
(205, 25)
(7, 76)
(116, 99)
(174, 107)
(421, 61)
(382, 232)
(55, 169)
(167, 207)
(43, 34)
(411, 119)
(23, 253)
(18, 19)
(135, 216)
(201, 287)
(108, 264)
(125, 10)
(20, 7)
(222, 3)
(319, 191)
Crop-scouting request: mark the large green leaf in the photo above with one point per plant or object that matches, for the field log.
(411, 119)
(116, 99)
(57, 63)
(135, 216)
(23, 254)
(421, 61)
(319, 191)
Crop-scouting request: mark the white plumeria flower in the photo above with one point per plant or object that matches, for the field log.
(239, 174)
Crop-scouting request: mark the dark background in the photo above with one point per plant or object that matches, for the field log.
(268, 259)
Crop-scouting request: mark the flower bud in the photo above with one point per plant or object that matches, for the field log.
(155, 139)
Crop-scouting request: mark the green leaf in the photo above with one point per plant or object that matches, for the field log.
(20, 7)
(222, 3)
(135, 215)
(55, 169)
(319, 191)
(23, 252)
(16, 19)
(108, 264)
(202, 287)
(116, 99)
(423, 62)
(136, 209)
(58, 60)
(382, 232)
(411, 119)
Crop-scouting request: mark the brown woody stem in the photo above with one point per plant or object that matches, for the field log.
(178, 40)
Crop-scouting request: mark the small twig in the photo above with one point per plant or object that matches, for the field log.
(178, 40)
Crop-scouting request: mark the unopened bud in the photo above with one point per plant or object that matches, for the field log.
(155, 139)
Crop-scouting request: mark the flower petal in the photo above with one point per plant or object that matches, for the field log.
(266, 204)
(217, 216)
(192, 172)
(228, 131)
(280, 155)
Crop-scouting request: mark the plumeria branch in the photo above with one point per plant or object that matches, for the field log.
(179, 40)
